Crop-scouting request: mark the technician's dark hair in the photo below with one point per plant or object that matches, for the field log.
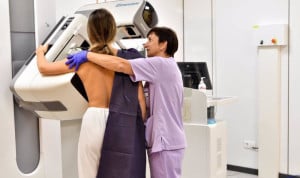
(166, 34)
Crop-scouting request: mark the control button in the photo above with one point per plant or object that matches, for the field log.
(274, 41)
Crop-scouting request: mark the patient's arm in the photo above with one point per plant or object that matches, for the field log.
(50, 68)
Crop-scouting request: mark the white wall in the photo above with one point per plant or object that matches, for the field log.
(294, 88)
(6, 121)
(198, 32)
(234, 63)
(236, 68)
(45, 21)
(170, 14)
(68, 7)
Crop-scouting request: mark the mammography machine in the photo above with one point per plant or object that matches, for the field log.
(60, 101)
(63, 97)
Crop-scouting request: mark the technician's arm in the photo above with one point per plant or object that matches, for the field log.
(113, 63)
(50, 68)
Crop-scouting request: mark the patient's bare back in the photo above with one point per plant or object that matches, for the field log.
(97, 82)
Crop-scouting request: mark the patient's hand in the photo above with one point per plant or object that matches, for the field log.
(41, 49)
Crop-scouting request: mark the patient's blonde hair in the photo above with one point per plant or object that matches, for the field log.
(101, 30)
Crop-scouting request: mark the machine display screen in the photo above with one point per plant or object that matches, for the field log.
(149, 15)
(192, 73)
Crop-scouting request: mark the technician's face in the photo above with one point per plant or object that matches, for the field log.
(152, 45)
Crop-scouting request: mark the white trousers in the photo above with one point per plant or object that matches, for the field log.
(90, 141)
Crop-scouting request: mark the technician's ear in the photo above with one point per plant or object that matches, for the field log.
(163, 46)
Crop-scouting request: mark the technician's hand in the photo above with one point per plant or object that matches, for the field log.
(77, 59)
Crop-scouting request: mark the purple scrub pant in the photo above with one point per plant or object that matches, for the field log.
(166, 163)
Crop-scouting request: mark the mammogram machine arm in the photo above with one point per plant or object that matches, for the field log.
(63, 97)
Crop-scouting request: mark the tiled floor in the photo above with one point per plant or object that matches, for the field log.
(232, 174)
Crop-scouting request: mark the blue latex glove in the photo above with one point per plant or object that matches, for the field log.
(77, 59)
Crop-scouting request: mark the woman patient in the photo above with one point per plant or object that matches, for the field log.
(98, 84)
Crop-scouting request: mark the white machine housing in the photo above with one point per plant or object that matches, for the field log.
(134, 17)
(53, 97)
(206, 153)
(63, 97)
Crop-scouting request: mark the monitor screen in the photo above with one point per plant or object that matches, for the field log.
(192, 73)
